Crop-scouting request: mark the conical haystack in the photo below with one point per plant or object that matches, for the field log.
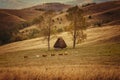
(60, 43)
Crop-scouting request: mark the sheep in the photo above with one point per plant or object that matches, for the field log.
(44, 55)
(37, 56)
(66, 53)
(60, 54)
(52, 54)
(25, 56)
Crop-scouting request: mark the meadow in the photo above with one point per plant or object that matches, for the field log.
(88, 62)
(23, 44)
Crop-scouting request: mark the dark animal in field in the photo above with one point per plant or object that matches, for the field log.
(65, 54)
(60, 43)
(52, 54)
(44, 55)
(25, 56)
(61, 54)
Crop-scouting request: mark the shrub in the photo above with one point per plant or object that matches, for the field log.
(89, 17)
(33, 33)
(5, 36)
(60, 30)
(17, 37)
(40, 9)
(98, 24)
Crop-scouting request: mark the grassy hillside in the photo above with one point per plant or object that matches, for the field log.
(103, 13)
(94, 58)
(101, 35)
(15, 20)
(96, 8)
(97, 15)
(8, 19)
(50, 6)
(24, 13)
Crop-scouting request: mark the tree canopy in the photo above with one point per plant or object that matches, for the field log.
(77, 23)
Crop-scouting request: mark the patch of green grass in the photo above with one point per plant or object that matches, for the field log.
(103, 54)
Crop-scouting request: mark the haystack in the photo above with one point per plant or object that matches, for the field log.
(60, 43)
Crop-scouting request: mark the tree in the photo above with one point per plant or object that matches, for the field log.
(47, 23)
(37, 20)
(77, 23)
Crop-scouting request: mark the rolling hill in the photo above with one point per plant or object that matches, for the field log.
(50, 6)
(106, 13)
(109, 10)
(20, 4)
(15, 19)
(27, 14)
(97, 57)
(95, 36)
(7, 20)
(96, 8)
(80, 2)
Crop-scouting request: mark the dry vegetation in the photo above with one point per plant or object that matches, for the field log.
(93, 62)
(94, 35)
(14, 20)
(61, 73)
(98, 58)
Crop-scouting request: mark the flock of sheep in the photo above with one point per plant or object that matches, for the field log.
(45, 55)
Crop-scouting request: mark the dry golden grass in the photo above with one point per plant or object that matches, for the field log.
(93, 35)
(88, 72)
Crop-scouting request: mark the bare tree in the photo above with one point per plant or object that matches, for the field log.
(77, 23)
(47, 26)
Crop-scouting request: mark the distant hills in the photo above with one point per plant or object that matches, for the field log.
(106, 12)
(99, 11)
(80, 2)
(51, 6)
(20, 4)
(98, 14)
(8, 17)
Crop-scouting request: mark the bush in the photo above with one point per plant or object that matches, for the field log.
(60, 30)
(33, 33)
(17, 37)
(89, 17)
(5, 36)
(98, 24)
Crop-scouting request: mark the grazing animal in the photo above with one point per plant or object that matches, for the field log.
(37, 56)
(61, 54)
(25, 56)
(52, 54)
(65, 54)
(44, 55)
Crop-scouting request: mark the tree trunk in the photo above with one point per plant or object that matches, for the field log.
(49, 38)
(74, 39)
(49, 33)
(74, 34)
(48, 43)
